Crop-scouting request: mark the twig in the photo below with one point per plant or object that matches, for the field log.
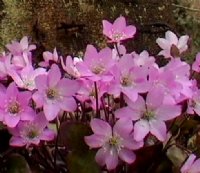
(186, 8)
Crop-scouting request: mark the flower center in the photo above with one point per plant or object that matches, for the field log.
(117, 36)
(115, 141)
(125, 81)
(32, 134)
(51, 93)
(14, 108)
(148, 115)
(98, 69)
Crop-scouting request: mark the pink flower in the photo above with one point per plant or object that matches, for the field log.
(21, 53)
(3, 69)
(70, 66)
(181, 72)
(113, 143)
(191, 165)
(149, 115)
(128, 79)
(171, 45)
(196, 64)
(194, 103)
(118, 49)
(49, 58)
(26, 77)
(143, 59)
(96, 65)
(118, 31)
(87, 92)
(55, 94)
(31, 132)
(18, 48)
(14, 106)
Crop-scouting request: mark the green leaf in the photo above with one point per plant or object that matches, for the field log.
(80, 158)
(72, 136)
(17, 164)
(78, 163)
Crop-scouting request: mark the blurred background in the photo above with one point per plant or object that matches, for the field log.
(69, 25)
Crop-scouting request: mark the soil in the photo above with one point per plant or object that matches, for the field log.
(69, 25)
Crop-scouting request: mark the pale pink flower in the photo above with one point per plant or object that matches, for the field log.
(18, 48)
(196, 63)
(181, 71)
(21, 53)
(122, 51)
(70, 66)
(3, 68)
(14, 106)
(171, 45)
(31, 132)
(113, 143)
(49, 58)
(143, 59)
(87, 92)
(26, 77)
(55, 94)
(192, 165)
(194, 103)
(96, 65)
(150, 116)
(118, 31)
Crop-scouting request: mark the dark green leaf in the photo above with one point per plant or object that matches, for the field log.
(17, 164)
(78, 163)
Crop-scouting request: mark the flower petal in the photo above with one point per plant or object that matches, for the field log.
(167, 112)
(100, 127)
(54, 76)
(17, 141)
(127, 155)
(68, 104)
(101, 156)
(111, 159)
(67, 87)
(119, 24)
(171, 37)
(11, 120)
(127, 113)
(141, 129)
(188, 164)
(158, 129)
(95, 141)
(51, 111)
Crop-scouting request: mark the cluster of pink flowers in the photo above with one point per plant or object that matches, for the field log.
(131, 96)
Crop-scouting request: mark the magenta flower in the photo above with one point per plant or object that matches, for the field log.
(14, 106)
(26, 77)
(150, 116)
(192, 165)
(118, 31)
(49, 58)
(171, 45)
(31, 132)
(96, 65)
(113, 143)
(196, 63)
(55, 94)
